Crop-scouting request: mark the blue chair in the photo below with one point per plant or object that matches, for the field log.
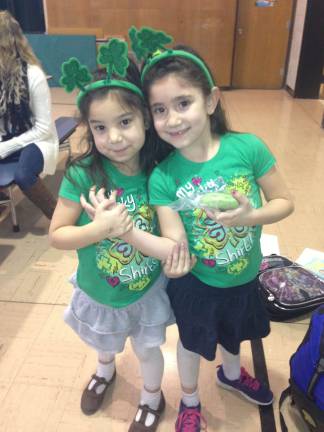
(65, 127)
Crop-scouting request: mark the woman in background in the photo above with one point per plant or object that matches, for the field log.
(27, 133)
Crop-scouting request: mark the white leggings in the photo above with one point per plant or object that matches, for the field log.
(189, 363)
(152, 365)
(151, 362)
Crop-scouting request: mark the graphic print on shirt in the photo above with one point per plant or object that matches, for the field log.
(120, 263)
(214, 244)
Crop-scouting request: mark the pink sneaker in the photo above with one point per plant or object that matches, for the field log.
(190, 419)
(249, 387)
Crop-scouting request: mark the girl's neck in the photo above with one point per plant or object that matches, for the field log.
(130, 168)
(203, 151)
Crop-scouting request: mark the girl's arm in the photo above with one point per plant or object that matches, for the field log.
(108, 222)
(172, 232)
(178, 261)
(279, 204)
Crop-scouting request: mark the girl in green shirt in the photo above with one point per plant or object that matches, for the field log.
(118, 291)
(217, 303)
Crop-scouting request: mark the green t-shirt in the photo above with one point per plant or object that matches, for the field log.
(226, 257)
(113, 272)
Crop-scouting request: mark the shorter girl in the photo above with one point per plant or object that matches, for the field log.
(218, 302)
(118, 292)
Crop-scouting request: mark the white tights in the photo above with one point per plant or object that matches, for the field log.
(189, 362)
(152, 365)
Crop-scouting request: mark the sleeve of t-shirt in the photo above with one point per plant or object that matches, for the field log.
(159, 191)
(262, 158)
(71, 186)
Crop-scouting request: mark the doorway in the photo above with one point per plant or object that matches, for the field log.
(261, 43)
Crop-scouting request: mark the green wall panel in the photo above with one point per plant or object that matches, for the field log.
(53, 50)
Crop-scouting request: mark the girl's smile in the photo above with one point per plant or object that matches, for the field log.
(180, 133)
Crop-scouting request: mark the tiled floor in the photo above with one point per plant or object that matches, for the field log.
(43, 365)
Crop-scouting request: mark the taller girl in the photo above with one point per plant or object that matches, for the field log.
(218, 302)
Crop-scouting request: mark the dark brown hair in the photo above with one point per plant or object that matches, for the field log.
(191, 72)
(90, 159)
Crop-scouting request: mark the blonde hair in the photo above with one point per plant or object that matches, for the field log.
(13, 44)
(15, 51)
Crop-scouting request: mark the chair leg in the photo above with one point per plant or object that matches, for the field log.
(13, 214)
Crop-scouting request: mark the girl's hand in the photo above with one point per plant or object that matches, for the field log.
(241, 216)
(179, 262)
(95, 200)
(110, 218)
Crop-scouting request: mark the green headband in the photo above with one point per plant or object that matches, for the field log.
(158, 56)
(111, 84)
(148, 44)
(114, 56)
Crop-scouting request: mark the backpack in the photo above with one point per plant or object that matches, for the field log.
(306, 388)
(288, 289)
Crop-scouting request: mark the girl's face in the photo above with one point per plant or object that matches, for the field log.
(118, 132)
(180, 113)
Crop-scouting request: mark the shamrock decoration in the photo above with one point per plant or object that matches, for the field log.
(135, 43)
(74, 75)
(146, 41)
(114, 55)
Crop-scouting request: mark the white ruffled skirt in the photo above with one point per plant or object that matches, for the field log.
(106, 328)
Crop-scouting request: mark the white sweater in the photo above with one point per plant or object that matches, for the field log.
(43, 132)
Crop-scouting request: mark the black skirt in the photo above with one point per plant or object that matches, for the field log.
(209, 315)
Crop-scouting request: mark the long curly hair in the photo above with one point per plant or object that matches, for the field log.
(15, 55)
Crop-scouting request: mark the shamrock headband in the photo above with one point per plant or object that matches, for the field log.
(113, 55)
(148, 44)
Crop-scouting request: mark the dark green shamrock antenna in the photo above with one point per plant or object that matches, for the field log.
(139, 52)
(74, 75)
(113, 56)
(149, 45)
(147, 41)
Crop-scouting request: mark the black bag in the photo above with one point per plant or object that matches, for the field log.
(288, 289)
(306, 389)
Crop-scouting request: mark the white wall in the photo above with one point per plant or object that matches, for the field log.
(296, 43)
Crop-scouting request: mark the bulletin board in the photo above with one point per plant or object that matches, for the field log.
(53, 50)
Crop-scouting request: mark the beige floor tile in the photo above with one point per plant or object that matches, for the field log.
(55, 330)
(51, 364)
(22, 320)
(9, 286)
(38, 287)
(13, 352)
(33, 408)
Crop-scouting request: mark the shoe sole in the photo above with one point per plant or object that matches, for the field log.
(230, 388)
